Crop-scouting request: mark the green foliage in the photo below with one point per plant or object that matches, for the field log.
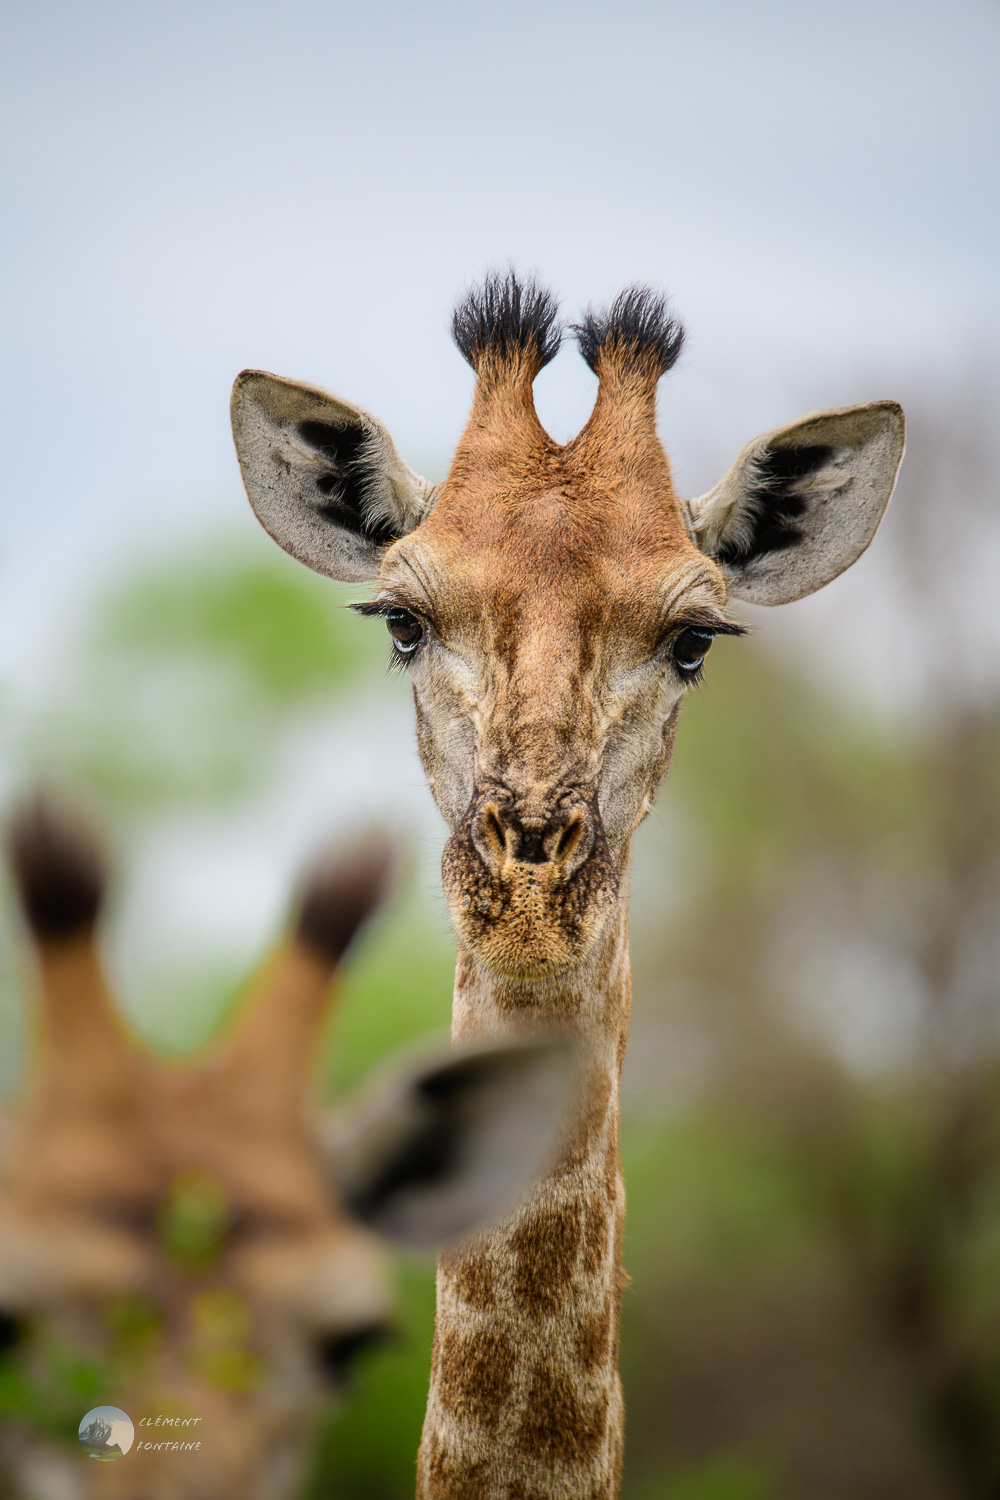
(191, 672)
(367, 1448)
(716, 1479)
(256, 615)
(721, 1189)
(769, 766)
(135, 1325)
(49, 1393)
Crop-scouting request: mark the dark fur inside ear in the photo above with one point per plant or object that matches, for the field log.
(346, 483)
(58, 867)
(772, 504)
(636, 329)
(450, 1145)
(342, 893)
(509, 319)
(446, 1105)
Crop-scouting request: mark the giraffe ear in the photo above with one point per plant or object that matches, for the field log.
(323, 476)
(442, 1149)
(801, 503)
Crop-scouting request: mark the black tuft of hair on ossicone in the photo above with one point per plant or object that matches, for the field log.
(341, 892)
(637, 327)
(58, 867)
(507, 317)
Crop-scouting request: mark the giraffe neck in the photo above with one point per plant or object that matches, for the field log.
(525, 1401)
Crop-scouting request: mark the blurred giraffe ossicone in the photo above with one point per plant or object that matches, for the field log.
(193, 1233)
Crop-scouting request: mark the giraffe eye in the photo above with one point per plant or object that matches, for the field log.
(405, 629)
(690, 649)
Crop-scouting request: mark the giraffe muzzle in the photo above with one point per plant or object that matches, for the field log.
(562, 840)
(529, 884)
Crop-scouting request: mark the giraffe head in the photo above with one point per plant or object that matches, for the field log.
(554, 603)
(188, 1231)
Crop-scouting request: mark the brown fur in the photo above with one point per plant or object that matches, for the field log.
(556, 1424)
(472, 1278)
(612, 1167)
(593, 1341)
(553, 1268)
(442, 1478)
(595, 1247)
(545, 1249)
(561, 1004)
(477, 1375)
(590, 1121)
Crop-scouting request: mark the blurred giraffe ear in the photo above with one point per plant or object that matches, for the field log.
(801, 503)
(439, 1150)
(323, 476)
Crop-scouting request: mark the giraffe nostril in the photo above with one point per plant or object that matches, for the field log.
(494, 833)
(569, 839)
(562, 841)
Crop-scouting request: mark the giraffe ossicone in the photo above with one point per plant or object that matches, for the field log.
(552, 604)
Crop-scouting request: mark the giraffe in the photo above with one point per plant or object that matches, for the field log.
(188, 1231)
(552, 605)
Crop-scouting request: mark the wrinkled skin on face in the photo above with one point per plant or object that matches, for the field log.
(545, 691)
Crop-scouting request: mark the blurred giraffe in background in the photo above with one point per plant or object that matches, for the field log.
(552, 605)
(214, 1250)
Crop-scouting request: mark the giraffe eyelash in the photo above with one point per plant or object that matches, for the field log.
(690, 642)
(406, 627)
